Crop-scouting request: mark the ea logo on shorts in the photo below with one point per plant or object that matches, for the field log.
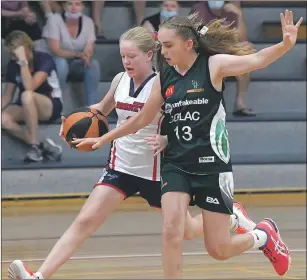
(168, 108)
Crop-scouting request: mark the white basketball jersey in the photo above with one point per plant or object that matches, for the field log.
(131, 154)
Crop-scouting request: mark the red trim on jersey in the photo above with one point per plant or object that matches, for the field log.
(113, 155)
(111, 186)
(154, 170)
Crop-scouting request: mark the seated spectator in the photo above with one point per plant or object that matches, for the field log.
(51, 6)
(97, 7)
(16, 15)
(39, 96)
(169, 9)
(71, 39)
(232, 13)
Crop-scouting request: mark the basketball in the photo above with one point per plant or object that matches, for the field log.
(84, 122)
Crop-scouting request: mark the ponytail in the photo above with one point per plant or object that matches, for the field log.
(215, 38)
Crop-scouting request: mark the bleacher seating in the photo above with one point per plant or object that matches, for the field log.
(276, 136)
(272, 30)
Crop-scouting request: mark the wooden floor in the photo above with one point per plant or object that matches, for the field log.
(129, 245)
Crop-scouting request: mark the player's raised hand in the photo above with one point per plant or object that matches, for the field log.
(289, 30)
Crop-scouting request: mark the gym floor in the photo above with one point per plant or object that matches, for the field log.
(128, 245)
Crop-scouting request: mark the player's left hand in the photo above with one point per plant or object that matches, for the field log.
(289, 30)
(95, 142)
(157, 143)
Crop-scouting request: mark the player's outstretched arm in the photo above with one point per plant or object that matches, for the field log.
(138, 121)
(224, 65)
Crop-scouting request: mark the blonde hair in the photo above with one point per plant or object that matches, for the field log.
(18, 38)
(219, 38)
(146, 41)
(142, 37)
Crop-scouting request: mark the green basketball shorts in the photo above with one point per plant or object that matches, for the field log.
(213, 192)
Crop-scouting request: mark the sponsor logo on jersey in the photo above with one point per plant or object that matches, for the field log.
(212, 200)
(198, 101)
(206, 159)
(168, 108)
(196, 88)
(170, 91)
(195, 84)
(134, 107)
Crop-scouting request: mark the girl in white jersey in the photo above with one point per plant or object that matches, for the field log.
(132, 167)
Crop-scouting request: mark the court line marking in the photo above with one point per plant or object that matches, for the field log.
(264, 273)
(103, 257)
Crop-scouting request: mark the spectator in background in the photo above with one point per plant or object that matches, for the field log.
(232, 13)
(169, 9)
(71, 38)
(51, 6)
(97, 7)
(16, 15)
(39, 97)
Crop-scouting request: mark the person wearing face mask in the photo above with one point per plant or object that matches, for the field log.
(169, 9)
(71, 39)
(232, 13)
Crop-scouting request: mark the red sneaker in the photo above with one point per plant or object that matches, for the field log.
(275, 249)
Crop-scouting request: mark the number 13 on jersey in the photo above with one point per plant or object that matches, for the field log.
(184, 133)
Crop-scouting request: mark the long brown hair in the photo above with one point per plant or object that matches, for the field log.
(220, 38)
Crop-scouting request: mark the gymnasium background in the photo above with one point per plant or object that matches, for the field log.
(268, 150)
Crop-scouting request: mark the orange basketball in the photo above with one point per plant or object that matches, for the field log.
(85, 122)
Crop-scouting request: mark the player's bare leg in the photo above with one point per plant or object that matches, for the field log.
(99, 206)
(174, 210)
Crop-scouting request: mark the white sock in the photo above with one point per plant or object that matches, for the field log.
(260, 238)
(233, 222)
(38, 275)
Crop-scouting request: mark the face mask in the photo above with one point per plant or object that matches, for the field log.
(166, 14)
(69, 15)
(215, 5)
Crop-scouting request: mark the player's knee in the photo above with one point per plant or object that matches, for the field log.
(84, 222)
(218, 251)
(6, 120)
(27, 97)
(172, 230)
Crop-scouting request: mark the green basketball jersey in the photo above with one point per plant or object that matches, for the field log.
(194, 120)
